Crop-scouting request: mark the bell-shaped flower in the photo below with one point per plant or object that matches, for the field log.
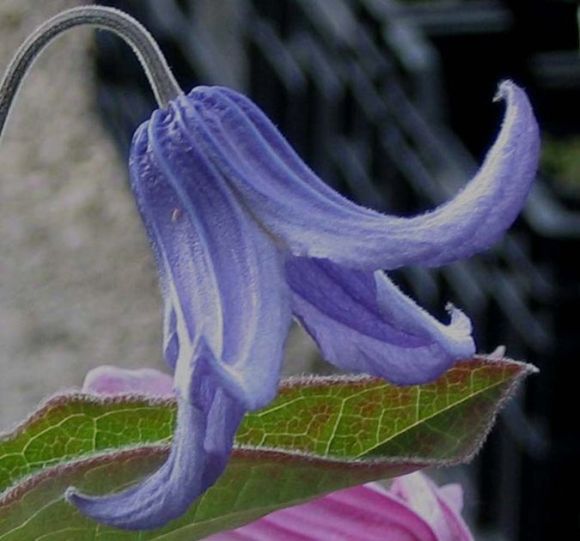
(413, 509)
(247, 236)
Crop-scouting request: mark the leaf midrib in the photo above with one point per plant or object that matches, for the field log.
(429, 417)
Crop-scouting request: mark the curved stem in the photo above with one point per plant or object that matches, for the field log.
(162, 81)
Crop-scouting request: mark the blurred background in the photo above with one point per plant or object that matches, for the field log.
(390, 101)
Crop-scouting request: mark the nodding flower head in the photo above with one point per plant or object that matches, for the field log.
(246, 237)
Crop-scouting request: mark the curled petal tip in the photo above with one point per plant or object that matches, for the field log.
(498, 353)
(363, 323)
(503, 89)
(307, 218)
(150, 504)
(70, 494)
(113, 513)
(167, 493)
(459, 321)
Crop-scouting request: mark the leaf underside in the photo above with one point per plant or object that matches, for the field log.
(320, 434)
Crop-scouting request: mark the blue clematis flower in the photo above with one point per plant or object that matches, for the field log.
(247, 236)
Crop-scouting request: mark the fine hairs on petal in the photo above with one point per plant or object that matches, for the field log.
(245, 235)
(312, 220)
(228, 316)
(199, 453)
(363, 323)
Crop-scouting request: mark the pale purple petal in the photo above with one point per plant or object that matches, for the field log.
(363, 323)
(453, 495)
(112, 380)
(423, 496)
(227, 317)
(311, 220)
(456, 525)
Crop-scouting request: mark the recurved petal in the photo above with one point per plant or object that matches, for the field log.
(362, 322)
(227, 305)
(164, 495)
(199, 453)
(312, 220)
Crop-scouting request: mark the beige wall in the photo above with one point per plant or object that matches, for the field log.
(77, 281)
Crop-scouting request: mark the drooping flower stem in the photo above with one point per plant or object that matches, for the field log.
(160, 77)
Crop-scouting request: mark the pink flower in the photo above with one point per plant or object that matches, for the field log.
(112, 380)
(414, 509)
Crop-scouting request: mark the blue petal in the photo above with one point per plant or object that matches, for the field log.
(312, 220)
(363, 323)
(227, 315)
(222, 277)
(198, 454)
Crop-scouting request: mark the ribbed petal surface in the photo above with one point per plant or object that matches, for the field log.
(241, 229)
(413, 510)
(312, 220)
(194, 462)
(227, 310)
(363, 323)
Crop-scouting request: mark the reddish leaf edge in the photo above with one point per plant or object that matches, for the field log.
(62, 397)
(159, 452)
(375, 466)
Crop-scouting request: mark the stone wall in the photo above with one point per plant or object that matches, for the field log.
(77, 281)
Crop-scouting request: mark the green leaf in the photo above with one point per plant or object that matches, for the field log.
(319, 435)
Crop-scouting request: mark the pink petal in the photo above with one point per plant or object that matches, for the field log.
(363, 513)
(458, 530)
(417, 492)
(111, 380)
(427, 500)
(453, 495)
(415, 509)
